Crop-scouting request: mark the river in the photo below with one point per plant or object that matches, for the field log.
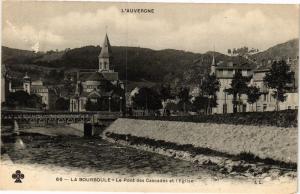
(97, 155)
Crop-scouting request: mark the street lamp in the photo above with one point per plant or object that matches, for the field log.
(109, 98)
(121, 104)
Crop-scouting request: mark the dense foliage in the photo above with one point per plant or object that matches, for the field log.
(287, 118)
(23, 99)
(62, 104)
(239, 86)
(277, 79)
(132, 63)
(147, 99)
(209, 87)
(253, 94)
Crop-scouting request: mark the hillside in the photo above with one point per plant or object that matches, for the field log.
(134, 63)
(284, 50)
(17, 56)
(142, 63)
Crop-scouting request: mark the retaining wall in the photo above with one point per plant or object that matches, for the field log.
(263, 141)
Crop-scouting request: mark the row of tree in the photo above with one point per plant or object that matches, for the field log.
(242, 51)
(276, 79)
(21, 99)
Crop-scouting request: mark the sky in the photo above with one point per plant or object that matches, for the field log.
(42, 26)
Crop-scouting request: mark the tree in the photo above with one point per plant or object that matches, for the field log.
(18, 98)
(253, 95)
(210, 85)
(277, 78)
(171, 106)
(147, 99)
(62, 104)
(99, 104)
(238, 87)
(184, 97)
(200, 103)
(23, 99)
(165, 93)
(35, 101)
(68, 88)
(229, 51)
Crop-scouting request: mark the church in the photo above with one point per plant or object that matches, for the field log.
(100, 90)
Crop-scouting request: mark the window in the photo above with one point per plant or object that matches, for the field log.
(224, 108)
(265, 107)
(289, 107)
(225, 72)
(244, 107)
(258, 108)
(105, 65)
(100, 65)
(265, 97)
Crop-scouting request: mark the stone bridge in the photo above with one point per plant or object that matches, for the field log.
(40, 118)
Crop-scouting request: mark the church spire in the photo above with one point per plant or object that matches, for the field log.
(105, 56)
(106, 48)
(213, 64)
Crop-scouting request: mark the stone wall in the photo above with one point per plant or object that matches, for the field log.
(263, 141)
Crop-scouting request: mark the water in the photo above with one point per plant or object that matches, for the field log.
(95, 154)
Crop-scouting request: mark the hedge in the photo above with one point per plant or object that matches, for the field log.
(286, 118)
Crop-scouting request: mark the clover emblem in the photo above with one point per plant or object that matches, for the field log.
(18, 176)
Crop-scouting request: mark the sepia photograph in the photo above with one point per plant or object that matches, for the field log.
(149, 97)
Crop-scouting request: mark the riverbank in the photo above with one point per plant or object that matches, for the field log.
(265, 152)
(71, 163)
(264, 142)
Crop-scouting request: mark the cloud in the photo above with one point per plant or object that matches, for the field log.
(231, 29)
(226, 29)
(27, 37)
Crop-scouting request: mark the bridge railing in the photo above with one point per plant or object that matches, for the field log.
(14, 114)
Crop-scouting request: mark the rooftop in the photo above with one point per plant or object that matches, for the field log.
(96, 76)
(238, 62)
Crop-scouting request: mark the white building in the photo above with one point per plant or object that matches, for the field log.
(35, 87)
(225, 71)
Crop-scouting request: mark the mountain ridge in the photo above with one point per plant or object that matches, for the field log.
(134, 63)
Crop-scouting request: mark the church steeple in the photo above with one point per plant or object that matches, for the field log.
(105, 56)
(213, 66)
(213, 63)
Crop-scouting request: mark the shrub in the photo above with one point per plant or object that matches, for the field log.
(286, 118)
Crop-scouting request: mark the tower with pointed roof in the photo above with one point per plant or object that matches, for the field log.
(105, 56)
(213, 66)
(98, 87)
